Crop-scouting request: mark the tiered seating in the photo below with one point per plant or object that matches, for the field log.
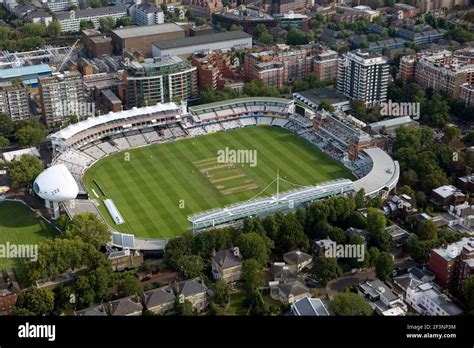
(151, 136)
(211, 128)
(167, 134)
(279, 122)
(177, 132)
(231, 124)
(95, 152)
(107, 147)
(264, 120)
(196, 131)
(122, 143)
(248, 121)
(137, 140)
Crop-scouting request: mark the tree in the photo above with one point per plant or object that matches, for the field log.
(86, 25)
(428, 230)
(6, 124)
(29, 132)
(253, 246)
(376, 224)
(36, 300)
(129, 285)
(266, 38)
(296, 37)
(235, 27)
(221, 293)
(183, 307)
(384, 265)
(54, 29)
(251, 276)
(4, 142)
(89, 228)
(324, 105)
(24, 170)
(107, 23)
(291, 235)
(258, 88)
(191, 265)
(96, 3)
(176, 248)
(325, 269)
(124, 22)
(468, 292)
(349, 304)
(468, 139)
(34, 30)
(300, 85)
(360, 199)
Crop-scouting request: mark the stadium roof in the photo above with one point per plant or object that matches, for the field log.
(201, 39)
(239, 100)
(125, 33)
(385, 172)
(74, 129)
(56, 184)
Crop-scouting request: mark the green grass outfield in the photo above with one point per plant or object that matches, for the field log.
(149, 188)
(19, 225)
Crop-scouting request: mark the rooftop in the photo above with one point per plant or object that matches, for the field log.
(129, 32)
(202, 39)
(308, 306)
(93, 12)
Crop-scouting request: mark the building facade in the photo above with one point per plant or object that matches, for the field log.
(62, 96)
(363, 76)
(439, 70)
(70, 22)
(160, 81)
(148, 14)
(14, 101)
(216, 70)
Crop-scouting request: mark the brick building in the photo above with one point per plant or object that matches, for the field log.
(216, 70)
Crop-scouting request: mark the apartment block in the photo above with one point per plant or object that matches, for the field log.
(216, 70)
(148, 14)
(70, 21)
(205, 8)
(440, 70)
(453, 263)
(14, 101)
(160, 81)
(283, 65)
(62, 96)
(325, 65)
(428, 5)
(363, 76)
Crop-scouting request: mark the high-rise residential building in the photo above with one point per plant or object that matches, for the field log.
(160, 81)
(62, 96)
(60, 5)
(281, 66)
(363, 76)
(14, 101)
(440, 70)
(147, 14)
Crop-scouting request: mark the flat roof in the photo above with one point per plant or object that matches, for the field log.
(128, 32)
(24, 70)
(202, 39)
(239, 100)
(13, 155)
(317, 95)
